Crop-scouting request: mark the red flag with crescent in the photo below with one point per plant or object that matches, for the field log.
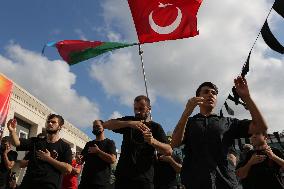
(159, 20)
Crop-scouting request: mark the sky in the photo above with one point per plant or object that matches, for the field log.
(104, 87)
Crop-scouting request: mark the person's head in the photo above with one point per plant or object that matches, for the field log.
(142, 107)
(54, 123)
(98, 128)
(258, 139)
(209, 92)
(6, 142)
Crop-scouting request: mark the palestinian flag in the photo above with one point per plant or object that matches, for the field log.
(75, 51)
(5, 94)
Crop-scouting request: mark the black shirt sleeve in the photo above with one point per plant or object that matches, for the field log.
(159, 133)
(111, 147)
(84, 152)
(25, 144)
(126, 129)
(239, 128)
(67, 154)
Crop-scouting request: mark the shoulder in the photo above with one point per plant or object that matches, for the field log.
(63, 143)
(107, 140)
(155, 124)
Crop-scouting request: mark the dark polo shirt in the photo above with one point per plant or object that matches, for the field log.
(207, 141)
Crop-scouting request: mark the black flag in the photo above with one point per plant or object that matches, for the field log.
(229, 110)
(245, 69)
(278, 6)
(270, 40)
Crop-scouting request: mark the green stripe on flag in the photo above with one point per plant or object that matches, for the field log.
(86, 54)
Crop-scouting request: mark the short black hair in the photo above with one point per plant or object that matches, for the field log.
(99, 121)
(59, 117)
(142, 97)
(207, 84)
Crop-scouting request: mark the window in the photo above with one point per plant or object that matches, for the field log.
(23, 134)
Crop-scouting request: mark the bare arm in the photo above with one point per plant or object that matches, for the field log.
(76, 170)
(114, 124)
(279, 161)
(242, 172)
(175, 165)
(162, 148)
(274, 157)
(258, 123)
(8, 164)
(178, 133)
(110, 158)
(63, 167)
(23, 163)
(12, 123)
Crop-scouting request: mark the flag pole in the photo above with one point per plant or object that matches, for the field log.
(143, 69)
(144, 74)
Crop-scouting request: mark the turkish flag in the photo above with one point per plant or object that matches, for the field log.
(159, 20)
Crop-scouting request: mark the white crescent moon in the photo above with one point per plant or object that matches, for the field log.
(166, 29)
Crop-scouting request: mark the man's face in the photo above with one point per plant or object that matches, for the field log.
(97, 125)
(258, 139)
(52, 125)
(209, 95)
(141, 109)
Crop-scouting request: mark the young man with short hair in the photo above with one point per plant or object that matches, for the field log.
(50, 157)
(141, 138)
(208, 137)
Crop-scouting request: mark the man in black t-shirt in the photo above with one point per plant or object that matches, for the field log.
(7, 161)
(261, 168)
(208, 137)
(50, 157)
(141, 137)
(98, 156)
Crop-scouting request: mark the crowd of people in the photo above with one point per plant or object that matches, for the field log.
(148, 159)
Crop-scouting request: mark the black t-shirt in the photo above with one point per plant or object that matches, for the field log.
(136, 160)
(41, 174)
(165, 175)
(97, 171)
(263, 175)
(4, 172)
(207, 142)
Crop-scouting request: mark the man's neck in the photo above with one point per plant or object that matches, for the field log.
(261, 147)
(206, 112)
(100, 137)
(52, 138)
